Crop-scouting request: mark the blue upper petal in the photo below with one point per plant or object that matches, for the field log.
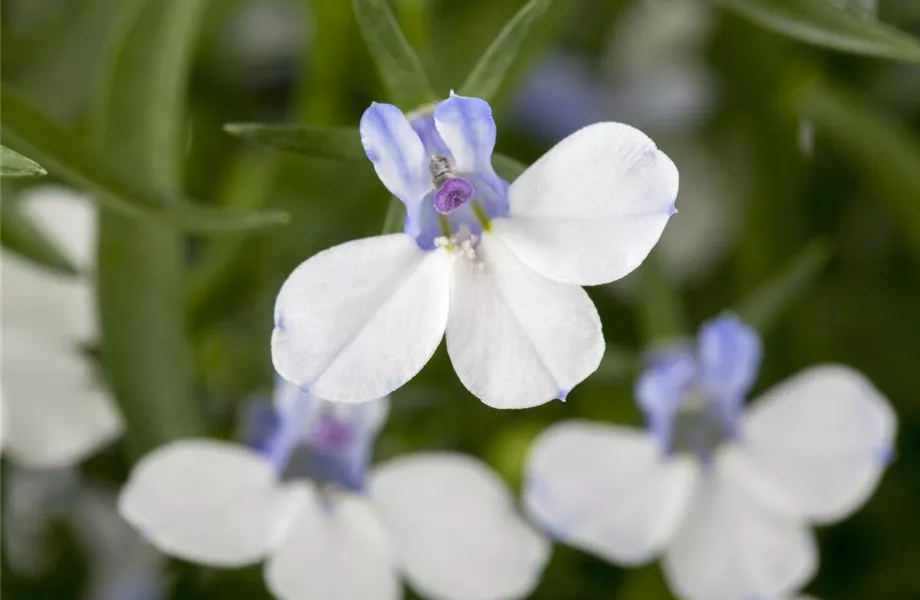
(397, 152)
(468, 130)
(729, 354)
(668, 376)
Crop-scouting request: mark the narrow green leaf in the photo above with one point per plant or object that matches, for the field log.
(661, 311)
(763, 307)
(19, 233)
(820, 23)
(14, 164)
(30, 132)
(336, 143)
(395, 217)
(880, 147)
(507, 168)
(487, 76)
(398, 65)
(147, 351)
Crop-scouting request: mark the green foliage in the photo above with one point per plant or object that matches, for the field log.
(337, 143)
(507, 168)
(398, 65)
(489, 73)
(659, 307)
(876, 145)
(764, 307)
(820, 23)
(147, 352)
(13, 164)
(64, 154)
(19, 233)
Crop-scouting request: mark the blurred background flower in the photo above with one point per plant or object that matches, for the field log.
(444, 521)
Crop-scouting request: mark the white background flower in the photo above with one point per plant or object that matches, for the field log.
(55, 411)
(732, 523)
(442, 521)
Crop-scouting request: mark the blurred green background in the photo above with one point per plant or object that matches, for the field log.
(779, 144)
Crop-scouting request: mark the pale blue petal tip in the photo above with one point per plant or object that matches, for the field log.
(561, 395)
(885, 454)
(672, 210)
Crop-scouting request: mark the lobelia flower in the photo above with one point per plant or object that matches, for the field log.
(325, 528)
(725, 495)
(54, 411)
(495, 266)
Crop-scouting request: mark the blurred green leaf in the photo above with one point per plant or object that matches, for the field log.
(337, 143)
(395, 217)
(763, 307)
(487, 76)
(64, 154)
(820, 23)
(880, 146)
(14, 164)
(619, 365)
(147, 351)
(661, 310)
(507, 168)
(398, 65)
(18, 232)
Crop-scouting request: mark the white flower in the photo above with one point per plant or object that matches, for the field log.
(442, 521)
(496, 267)
(725, 496)
(54, 412)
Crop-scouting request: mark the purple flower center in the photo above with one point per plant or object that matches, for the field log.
(332, 434)
(453, 194)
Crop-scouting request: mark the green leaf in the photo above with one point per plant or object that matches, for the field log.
(140, 116)
(398, 65)
(879, 146)
(487, 76)
(336, 143)
(763, 307)
(507, 168)
(19, 233)
(30, 132)
(661, 311)
(14, 164)
(395, 217)
(820, 23)
(619, 365)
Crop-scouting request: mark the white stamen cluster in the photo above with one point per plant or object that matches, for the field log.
(461, 245)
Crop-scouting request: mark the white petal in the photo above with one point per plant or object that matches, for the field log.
(55, 414)
(45, 304)
(357, 321)
(67, 217)
(823, 438)
(607, 490)
(397, 153)
(516, 338)
(733, 546)
(210, 502)
(335, 551)
(455, 528)
(591, 209)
